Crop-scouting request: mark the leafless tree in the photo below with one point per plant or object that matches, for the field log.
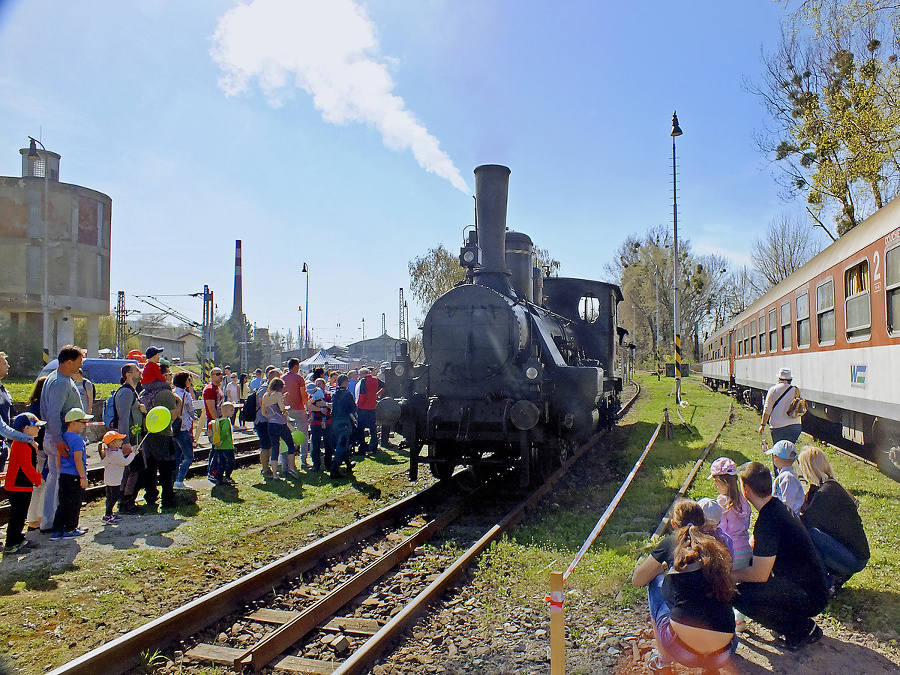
(787, 244)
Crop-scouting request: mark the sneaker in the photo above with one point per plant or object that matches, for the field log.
(740, 626)
(114, 519)
(56, 535)
(15, 548)
(110, 519)
(77, 532)
(179, 485)
(814, 635)
(293, 473)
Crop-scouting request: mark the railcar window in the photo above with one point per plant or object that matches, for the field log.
(762, 333)
(786, 325)
(773, 331)
(803, 327)
(753, 337)
(825, 311)
(858, 314)
(589, 308)
(746, 340)
(892, 288)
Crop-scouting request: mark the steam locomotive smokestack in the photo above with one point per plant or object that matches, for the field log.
(237, 306)
(491, 193)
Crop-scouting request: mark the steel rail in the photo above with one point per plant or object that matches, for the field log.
(366, 656)
(291, 632)
(124, 653)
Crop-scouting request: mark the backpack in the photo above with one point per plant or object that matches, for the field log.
(214, 431)
(110, 419)
(248, 412)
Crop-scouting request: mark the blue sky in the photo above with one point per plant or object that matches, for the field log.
(212, 121)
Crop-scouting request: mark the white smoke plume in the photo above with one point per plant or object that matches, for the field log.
(329, 49)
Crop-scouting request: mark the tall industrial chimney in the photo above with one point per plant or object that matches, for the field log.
(237, 307)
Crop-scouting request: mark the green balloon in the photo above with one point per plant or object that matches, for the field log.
(158, 419)
(298, 437)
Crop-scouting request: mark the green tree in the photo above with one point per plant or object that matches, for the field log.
(835, 133)
(433, 274)
(23, 349)
(643, 269)
(436, 272)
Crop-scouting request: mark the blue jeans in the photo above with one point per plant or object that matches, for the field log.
(366, 420)
(670, 647)
(321, 437)
(184, 441)
(789, 433)
(262, 431)
(341, 445)
(837, 557)
(279, 432)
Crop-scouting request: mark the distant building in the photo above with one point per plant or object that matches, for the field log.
(175, 349)
(74, 224)
(193, 345)
(375, 350)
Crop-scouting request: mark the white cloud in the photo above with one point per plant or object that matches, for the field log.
(328, 49)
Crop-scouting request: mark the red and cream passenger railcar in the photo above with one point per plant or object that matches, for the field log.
(835, 323)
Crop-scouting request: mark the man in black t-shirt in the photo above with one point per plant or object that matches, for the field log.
(785, 585)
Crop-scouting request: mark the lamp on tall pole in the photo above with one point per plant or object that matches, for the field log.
(306, 313)
(34, 156)
(676, 131)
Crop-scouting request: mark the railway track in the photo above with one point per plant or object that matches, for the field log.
(337, 604)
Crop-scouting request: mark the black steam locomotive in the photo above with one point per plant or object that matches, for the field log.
(519, 369)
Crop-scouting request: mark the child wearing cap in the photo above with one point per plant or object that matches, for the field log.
(735, 521)
(712, 512)
(152, 378)
(114, 463)
(72, 477)
(21, 478)
(221, 457)
(786, 485)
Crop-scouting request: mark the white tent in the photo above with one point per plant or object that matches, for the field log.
(322, 358)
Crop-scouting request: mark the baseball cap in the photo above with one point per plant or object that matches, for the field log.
(76, 415)
(311, 387)
(153, 351)
(785, 374)
(111, 436)
(26, 419)
(723, 467)
(711, 509)
(783, 449)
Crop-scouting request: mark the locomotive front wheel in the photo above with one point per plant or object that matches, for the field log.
(442, 470)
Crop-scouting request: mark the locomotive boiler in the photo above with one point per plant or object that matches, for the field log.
(519, 369)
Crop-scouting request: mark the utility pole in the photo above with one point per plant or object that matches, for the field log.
(209, 335)
(121, 332)
(403, 334)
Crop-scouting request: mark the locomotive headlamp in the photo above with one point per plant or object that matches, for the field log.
(399, 370)
(533, 369)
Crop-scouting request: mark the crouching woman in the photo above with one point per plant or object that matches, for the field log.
(689, 587)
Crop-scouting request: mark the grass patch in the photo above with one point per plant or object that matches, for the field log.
(52, 614)
(519, 565)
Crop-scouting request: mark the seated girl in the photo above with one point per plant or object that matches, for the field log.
(689, 588)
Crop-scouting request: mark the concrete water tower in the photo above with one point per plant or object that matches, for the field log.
(54, 252)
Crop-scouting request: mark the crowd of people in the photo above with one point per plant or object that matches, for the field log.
(706, 579)
(153, 429)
